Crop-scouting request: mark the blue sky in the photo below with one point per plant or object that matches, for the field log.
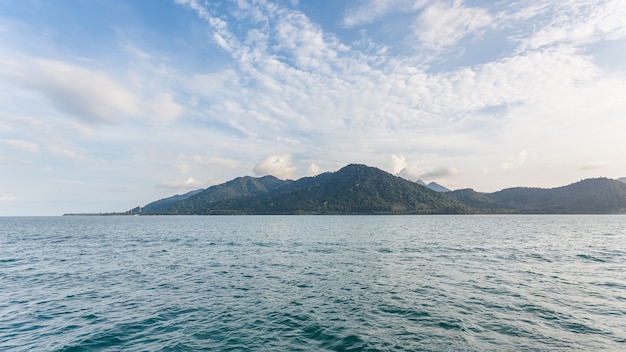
(106, 105)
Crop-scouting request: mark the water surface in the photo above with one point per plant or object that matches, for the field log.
(313, 283)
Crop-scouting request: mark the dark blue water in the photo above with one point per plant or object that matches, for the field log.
(313, 283)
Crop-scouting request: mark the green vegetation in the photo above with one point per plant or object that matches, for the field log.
(239, 188)
(591, 196)
(166, 203)
(355, 189)
(359, 189)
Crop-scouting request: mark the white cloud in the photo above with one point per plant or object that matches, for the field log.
(398, 163)
(162, 107)
(7, 198)
(280, 166)
(314, 170)
(579, 22)
(439, 172)
(189, 183)
(440, 25)
(197, 163)
(211, 85)
(341, 90)
(368, 11)
(530, 78)
(87, 95)
(21, 145)
(67, 153)
(515, 161)
(413, 173)
(90, 96)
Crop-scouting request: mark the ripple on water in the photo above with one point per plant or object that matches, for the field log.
(482, 283)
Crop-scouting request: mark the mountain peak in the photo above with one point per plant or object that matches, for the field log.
(357, 168)
(433, 185)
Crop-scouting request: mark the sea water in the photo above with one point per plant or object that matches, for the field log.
(313, 283)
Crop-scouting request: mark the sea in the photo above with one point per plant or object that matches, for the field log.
(313, 283)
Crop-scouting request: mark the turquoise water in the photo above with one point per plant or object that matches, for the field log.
(313, 283)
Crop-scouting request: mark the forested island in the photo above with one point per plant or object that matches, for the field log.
(360, 189)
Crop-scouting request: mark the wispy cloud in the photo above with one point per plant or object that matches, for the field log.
(580, 22)
(321, 87)
(21, 145)
(368, 11)
(187, 184)
(515, 161)
(196, 162)
(84, 94)
(598, 165)
(441, 25)
(67, 153)
(89, 95)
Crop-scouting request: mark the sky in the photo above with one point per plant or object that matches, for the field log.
(108, 104)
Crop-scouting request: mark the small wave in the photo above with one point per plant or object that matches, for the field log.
(227, 287)
(450, 325)
(591, 258)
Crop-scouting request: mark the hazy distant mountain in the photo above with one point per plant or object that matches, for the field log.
(433, 185)
(360, 189)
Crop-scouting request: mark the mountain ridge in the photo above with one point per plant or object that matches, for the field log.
(361, 189)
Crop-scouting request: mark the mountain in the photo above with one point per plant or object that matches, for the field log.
(480, 202)
(354, 189)
(622, 179)
(360, 189)
(433, 185)
(165, 203)
(437, 187)
(590, 196)
(241, 187)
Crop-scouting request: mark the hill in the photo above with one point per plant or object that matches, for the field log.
(165, 203)
(241, 187)
(360, 189)
(355, 189)
(590, 196)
